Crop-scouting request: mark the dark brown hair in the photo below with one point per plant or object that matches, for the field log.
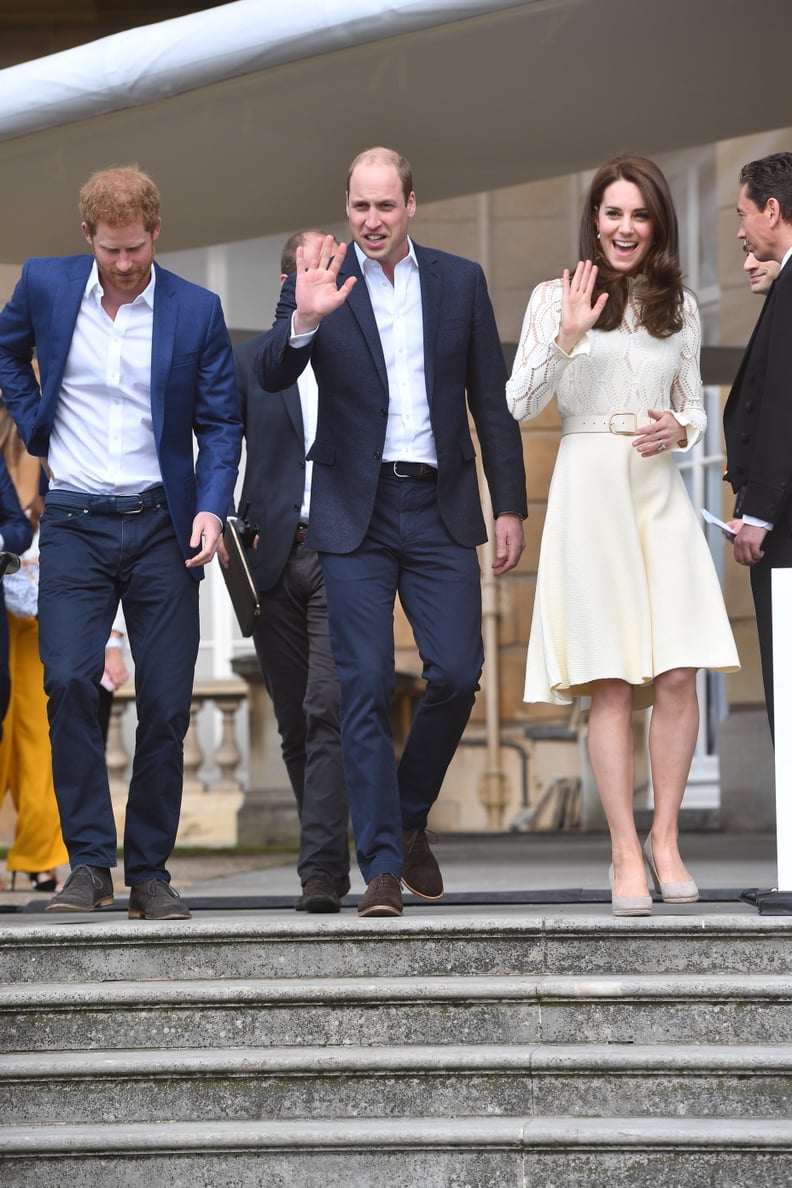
(662, 294)
(288, 260)
(770, 177)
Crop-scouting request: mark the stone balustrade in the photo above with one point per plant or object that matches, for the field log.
(231, 796)
(210, 806)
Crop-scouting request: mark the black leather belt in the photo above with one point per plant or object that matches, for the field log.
(108, 505)
(301, 532)
(409, 470)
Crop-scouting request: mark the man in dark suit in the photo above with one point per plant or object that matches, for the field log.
(291, 637)
(757, 419)
(134, 364)
(404, 345)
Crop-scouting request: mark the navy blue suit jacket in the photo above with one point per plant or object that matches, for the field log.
(274, 479)
(464, 367)
(193, 387)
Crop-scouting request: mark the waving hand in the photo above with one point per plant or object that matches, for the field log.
(316, 284)
(578, 315)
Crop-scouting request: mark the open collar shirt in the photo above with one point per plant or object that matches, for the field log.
(102, 438)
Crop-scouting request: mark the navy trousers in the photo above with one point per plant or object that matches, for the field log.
(407, 551)
(89, 560)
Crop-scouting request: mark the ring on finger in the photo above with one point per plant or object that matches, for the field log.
(662, 446)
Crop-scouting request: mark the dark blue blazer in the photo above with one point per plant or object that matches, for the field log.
(464, 368)
(274, 479)
(193, 388)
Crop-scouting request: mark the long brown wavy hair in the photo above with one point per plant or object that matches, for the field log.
(662, 293)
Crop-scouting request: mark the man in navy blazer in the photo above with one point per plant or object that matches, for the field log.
(757, 419)
(135, 364)
(291, 636)
(404, 346)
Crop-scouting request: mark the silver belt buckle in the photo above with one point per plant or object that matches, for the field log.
(623, 420)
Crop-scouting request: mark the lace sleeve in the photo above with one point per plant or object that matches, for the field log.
(539, 363)
(687, 396)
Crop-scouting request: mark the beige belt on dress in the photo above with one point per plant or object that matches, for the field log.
(620, 423)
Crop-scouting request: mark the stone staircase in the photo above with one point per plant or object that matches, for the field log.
(485, 1048)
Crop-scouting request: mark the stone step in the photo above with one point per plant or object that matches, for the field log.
(585, 939)
(278, 1012)
(510, 1152)
(596, 1080)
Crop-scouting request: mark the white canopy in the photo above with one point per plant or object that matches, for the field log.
(247, 115)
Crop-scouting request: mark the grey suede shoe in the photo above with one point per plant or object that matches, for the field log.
(86, 888)
(156, 900)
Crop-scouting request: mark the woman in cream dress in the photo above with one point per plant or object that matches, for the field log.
(628, 604)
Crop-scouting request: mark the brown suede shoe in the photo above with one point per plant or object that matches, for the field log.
(421, 874)
(382, 897)
(320, 894)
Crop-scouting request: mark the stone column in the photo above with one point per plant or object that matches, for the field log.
(268, 816)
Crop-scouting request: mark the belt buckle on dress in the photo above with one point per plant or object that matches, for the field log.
(628, 417)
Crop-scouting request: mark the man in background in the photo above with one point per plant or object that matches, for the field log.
(291, 636)
(760, 273)
(757, 419)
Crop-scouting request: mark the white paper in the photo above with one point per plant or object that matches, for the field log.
(708, 516)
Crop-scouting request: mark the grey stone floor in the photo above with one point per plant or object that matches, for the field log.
(529, 862)
(496, 863)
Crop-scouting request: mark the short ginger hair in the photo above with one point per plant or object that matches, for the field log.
(118, 197)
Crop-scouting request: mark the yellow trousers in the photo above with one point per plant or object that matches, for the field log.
(25, 757)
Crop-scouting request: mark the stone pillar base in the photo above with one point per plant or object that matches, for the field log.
(747, 772)
(268, 820)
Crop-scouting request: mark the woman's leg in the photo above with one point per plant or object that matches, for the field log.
(672, 741)
(611, 753)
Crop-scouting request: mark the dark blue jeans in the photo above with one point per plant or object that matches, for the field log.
(88, 562)
(407, 550)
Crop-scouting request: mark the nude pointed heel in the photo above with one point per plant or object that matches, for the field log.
(629, 905)
(686, 892)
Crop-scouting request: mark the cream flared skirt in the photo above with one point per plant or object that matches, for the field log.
(626, 586)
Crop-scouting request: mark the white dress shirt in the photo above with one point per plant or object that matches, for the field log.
(398, 311)
(102, 438)
(309, 403)
(399, 314)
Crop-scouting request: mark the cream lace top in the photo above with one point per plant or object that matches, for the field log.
(622, 370)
